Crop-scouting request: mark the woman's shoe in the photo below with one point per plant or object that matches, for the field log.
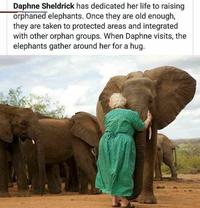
(116, 205)
(129, 205)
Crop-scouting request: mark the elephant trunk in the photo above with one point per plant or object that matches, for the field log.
(33, 134)
(142, 110)
(139, 165)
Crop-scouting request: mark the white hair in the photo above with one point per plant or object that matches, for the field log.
(117, 100)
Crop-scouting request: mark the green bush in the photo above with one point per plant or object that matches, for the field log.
(187, 163)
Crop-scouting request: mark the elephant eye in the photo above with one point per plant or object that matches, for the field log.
(24, 123)
(150, 100)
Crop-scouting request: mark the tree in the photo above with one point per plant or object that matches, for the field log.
(41, 104)
(45, 106)
(14, 98)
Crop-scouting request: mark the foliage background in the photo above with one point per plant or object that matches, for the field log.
(41, 104)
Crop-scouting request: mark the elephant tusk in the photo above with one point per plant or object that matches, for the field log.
(150, 132)
(93, 152)
(33, 141)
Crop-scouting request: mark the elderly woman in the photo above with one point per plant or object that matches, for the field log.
(117, 153)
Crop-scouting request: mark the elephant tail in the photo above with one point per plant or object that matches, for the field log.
(175, 156)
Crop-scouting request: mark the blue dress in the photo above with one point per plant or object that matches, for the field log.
(116, 159)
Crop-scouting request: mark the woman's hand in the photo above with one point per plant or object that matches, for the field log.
(149, 116)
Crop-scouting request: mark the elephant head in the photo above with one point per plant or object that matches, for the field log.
(19, 122)
(15, 122)
(165, 91)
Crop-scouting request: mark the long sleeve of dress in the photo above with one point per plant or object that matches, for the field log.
(136, 121)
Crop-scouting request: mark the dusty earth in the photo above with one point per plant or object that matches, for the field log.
(185, 192)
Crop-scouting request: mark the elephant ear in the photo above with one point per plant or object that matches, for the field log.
(100, 116)
(114, 85)
(5, 130)
(85, 127)
(175, 89)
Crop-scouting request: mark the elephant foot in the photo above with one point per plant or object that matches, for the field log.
(133, 200)
(72, 189)
(147, 198)
(158, 179)
(4, 194)
(23, 194)
(95, 191)
(81, 191)
(10, 185)
(55, 191)
(174, 178)
(38, 192)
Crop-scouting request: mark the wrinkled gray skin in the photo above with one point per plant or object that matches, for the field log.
(165, 91)
(165, 150)
(62, 139)
(15, 124)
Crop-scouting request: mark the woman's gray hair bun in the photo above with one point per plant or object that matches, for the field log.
(117, 100)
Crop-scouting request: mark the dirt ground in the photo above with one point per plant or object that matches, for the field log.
(185, 192)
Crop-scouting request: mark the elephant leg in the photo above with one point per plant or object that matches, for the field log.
(173, 172)
(3, 170)
(53, 178)
(10, 170)
(19, 167)
(56, 171)
(85, 187)
(83, 182)
(10, 178)
(66, 176)
(73, 183)
(147, 195)
(168, 160)
(85, 160)
(158, 172)
(33, 173)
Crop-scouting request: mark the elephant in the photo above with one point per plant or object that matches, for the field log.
(15, 125)
(76, 180)
(165, 149)
(165, 91)
(69, 174)
(62, 139)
